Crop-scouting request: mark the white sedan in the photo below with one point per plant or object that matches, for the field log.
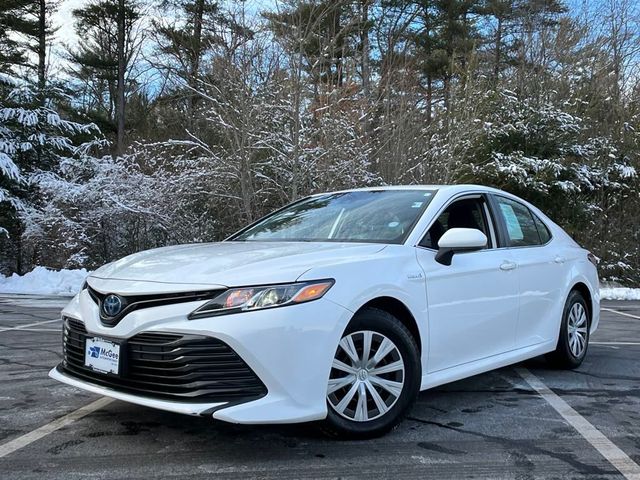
(338, 308)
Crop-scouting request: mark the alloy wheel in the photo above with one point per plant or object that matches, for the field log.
(577, 330)
(367, 376)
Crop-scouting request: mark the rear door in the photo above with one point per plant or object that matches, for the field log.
(473, 303)
(540, 270)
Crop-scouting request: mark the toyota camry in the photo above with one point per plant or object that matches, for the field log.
(339, 308)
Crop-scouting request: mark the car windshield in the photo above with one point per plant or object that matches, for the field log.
(378, 216)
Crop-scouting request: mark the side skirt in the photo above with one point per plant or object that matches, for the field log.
(470, 369)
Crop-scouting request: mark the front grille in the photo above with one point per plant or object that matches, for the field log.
(136, 302)
(169, 366)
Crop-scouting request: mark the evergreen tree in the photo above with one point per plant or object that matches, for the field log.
(458, 36)
(325, 33)
(500, 41)
(16, 19)
(185, 42)
(103, 61)
(34, 138)
(546, 155)
(534, 19)
(25, 28)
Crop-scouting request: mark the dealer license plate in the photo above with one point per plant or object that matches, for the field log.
(102, 355)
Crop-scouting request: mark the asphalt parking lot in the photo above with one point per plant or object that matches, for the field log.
(494, 425)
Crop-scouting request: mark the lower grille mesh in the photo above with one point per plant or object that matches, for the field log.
(169, 366)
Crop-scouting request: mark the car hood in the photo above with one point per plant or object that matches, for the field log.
(231, 263)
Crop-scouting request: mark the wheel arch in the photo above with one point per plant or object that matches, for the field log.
(583, 289)
(399, 310)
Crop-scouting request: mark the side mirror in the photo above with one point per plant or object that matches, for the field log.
(457, 240)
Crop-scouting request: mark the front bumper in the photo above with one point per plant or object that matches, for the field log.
(177, 407)
(290, 349)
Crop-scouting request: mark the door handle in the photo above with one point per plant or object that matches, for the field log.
(508, 265)
(559, 259)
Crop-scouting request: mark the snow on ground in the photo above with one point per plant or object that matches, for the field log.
(42, 281)
(619, 293)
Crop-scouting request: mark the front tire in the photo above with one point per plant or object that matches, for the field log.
(375, 377)
(573, 340)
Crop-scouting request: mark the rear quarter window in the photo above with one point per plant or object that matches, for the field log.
(543, 230)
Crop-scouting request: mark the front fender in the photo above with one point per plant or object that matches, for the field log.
(394, 273)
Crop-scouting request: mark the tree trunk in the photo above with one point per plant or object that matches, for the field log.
(496, 66)
(364, 41)
(429, 97)
(42, 44)
(339, 46)
(18, 244)
(297, 126)
(196, 55)
(120, 101)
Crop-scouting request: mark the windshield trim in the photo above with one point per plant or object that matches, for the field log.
(401, 241)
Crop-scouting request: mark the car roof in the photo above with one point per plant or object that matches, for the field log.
(449, 189)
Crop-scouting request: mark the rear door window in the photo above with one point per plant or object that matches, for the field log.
(519, 223)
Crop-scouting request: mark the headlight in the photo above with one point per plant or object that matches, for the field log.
(246, 299)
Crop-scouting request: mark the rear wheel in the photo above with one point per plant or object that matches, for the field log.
(573, 340)
(375, 376)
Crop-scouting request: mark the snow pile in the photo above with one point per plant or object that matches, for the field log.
(619, 293)
(42, 281)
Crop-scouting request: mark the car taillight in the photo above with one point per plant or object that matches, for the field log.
(593, 259)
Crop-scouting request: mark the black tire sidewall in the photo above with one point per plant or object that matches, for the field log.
(563, 350)
(382, 322)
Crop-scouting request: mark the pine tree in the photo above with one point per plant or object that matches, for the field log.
(533, 20)
(444, 34)
(34, 138)
(16, 19)
(500, 50)
(185, 42)
(25, 27)
(103, 60)
(326, 34)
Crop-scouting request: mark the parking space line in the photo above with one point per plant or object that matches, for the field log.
(614, 343)
(34, 330)
(614, 455)
(43, 431)
(620, 313)
(20, 327)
